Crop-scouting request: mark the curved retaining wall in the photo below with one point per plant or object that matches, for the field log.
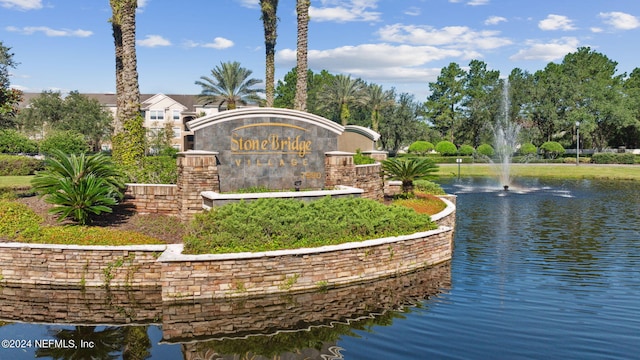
(225, 275)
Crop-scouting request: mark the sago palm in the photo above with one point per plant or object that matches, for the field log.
(79, 186)
(408, 170)
(229, 84)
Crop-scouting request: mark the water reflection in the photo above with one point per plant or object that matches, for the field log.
(295, 326)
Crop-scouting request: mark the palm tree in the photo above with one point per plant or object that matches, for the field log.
(341, 93)
(229, 84)
(302, 10)
(408, 170)
(376, 100)
(123, 24)
(128, 139)
(270, 24)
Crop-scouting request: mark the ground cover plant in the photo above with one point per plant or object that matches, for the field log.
(422, 203)
(275, 224)
(20, 223)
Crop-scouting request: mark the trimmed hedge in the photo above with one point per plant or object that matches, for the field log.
(16, 165)
(613, 158)
(275, 224)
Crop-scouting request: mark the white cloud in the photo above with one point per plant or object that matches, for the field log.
(153, 41)
(551, 51)
(385, 62)
(413, 11)
(21, 4)
(596, 30)
(345, 11)
(471, 2)
(620, 20)
(495, 20)
(556, 22)
(29, 30)
(218, 43)
(450, 36)
(251, 4)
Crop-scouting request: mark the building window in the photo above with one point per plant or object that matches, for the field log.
(176, 132)
(176, 115)
(156, 115)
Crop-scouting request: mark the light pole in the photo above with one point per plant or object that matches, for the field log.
(459, 161)
(577, 143)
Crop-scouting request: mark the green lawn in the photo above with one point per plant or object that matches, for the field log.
(564, 171)
(14, 181)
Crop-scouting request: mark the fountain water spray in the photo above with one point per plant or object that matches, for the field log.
(505, 138)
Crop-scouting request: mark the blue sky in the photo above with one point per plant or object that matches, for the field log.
(66, 45)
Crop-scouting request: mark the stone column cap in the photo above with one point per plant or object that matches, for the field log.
(339, 153)
(197, 153)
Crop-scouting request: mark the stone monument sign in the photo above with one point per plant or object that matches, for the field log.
(279, 149)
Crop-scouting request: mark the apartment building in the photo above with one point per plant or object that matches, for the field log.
(160, 111)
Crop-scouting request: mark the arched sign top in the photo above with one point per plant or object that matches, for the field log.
(249, 113)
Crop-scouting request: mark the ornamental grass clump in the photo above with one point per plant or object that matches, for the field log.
(275, 224)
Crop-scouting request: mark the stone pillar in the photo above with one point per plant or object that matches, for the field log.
(197, 172)
(339, 168)
(377, 155)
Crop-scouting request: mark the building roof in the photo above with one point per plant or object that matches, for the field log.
(109, 100)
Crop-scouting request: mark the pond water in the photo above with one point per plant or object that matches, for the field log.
(546, 270)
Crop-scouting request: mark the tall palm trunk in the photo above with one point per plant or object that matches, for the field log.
(128, 140)
(117, 38)
(302, 10)
(270, 23)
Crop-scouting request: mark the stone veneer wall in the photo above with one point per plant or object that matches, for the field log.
(236, 317)
(369, 179)
(251, 274)
(223, 275)
(80, 266)
(153, 198)
(341, 170)
(197, 172)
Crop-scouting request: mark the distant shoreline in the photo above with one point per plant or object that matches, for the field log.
(560, 171)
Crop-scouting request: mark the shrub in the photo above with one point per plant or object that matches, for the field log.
(613, 158)
(13, 142)
(552, 149)
(272, 224)
(466, 150)
(155, 170)
(11, 165)
(80, 186)
(420, 147)
(446, 148)
(528, 149)
(428, 187)
(359, 159)
(486, 150)
(68, 142)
